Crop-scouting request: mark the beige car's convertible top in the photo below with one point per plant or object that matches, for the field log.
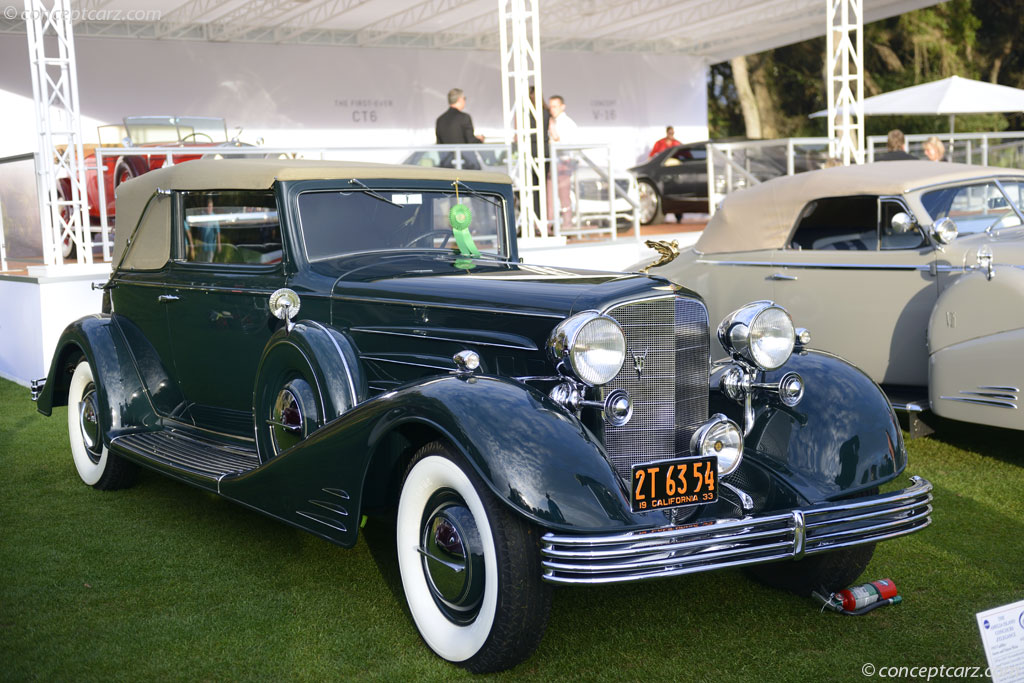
(763, 216)
(245, 174)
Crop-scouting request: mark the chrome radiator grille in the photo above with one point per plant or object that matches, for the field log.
(670, 395)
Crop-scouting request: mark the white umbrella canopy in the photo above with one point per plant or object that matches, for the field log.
(953, 95)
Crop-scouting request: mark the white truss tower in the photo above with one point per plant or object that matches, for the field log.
(845, 79)
(59, 129)
(523, 119)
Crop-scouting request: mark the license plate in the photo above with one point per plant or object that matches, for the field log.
(674, 483)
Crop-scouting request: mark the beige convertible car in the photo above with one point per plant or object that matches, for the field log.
(912, 270)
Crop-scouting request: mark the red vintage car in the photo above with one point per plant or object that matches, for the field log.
(202, 132)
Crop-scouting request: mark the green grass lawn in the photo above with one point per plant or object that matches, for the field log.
(165, 582)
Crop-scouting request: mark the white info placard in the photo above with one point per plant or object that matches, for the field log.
(1002, 634)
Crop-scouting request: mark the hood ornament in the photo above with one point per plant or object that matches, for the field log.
(638, 363)
(667, 252)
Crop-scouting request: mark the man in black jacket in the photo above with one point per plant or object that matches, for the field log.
(455, 127)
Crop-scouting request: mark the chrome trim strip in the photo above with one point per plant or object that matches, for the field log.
(1014, 390)
(402, 362)
(368, 330)
(816, 265)
(323, 520)
(192, 288)
(675, 550)
(991, 402)
(344, 361)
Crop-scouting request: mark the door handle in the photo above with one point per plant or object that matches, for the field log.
(166, 298)
(781, 276)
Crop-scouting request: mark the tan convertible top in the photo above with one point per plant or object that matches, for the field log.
(257, 174)
(762, 216)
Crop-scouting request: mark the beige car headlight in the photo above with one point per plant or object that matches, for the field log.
(589, 346)
(722, 438)
(761, 333)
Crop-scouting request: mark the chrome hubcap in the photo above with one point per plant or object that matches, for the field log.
(88, 422)
(648, 203)
(453, 561)
(286, 420)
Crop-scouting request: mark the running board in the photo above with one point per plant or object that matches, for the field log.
(195, 459)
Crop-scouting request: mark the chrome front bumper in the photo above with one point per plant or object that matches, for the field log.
(673, 551)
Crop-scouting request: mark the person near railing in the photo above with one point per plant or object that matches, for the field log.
(667, 142)
(896, 147)
(563, 129)
(934, 149)
(455, 127)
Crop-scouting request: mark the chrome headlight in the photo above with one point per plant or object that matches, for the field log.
(720, 437)
(588, 345)
(759, 332)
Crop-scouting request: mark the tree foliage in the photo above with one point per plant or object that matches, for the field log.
(980, 39)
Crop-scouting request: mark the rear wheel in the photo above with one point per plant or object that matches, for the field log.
(470, 568)
(96, 465)
(650, 202)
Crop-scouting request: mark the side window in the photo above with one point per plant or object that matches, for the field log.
(231, 226)
(838, 224)
(893, 237)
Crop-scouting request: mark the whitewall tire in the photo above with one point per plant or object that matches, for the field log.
(96, 466)
(470, 569)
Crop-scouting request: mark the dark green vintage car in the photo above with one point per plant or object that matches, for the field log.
(321, 342)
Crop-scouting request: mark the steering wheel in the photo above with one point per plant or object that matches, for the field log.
(447, 234)
(195, 133)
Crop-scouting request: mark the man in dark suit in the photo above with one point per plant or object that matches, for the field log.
(455, 127)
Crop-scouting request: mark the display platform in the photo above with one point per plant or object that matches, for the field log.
(36, 304)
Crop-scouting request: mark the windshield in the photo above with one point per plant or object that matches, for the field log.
(145, 130)
(344, 222)
(978, 206)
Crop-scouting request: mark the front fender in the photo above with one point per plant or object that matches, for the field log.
(532, 454)
(841, 439)
(122, 399)
(536, 458)
(974, 369)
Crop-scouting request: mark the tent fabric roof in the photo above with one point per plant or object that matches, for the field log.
(716, 29)
(762, 216)
(953, 95)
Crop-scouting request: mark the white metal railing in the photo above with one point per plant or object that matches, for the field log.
(735, 165)
(1005, 149)
(577, 178)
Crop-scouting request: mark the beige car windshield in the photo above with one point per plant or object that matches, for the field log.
(978, 206)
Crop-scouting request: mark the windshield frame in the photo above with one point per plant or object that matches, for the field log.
(996, 180)
(493, 192)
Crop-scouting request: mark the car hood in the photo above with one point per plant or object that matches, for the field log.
(1007, 247)
(429, 278)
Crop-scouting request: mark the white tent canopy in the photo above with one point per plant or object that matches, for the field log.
(949, 96)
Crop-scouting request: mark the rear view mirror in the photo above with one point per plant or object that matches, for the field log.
(944, 231)
(901, 223)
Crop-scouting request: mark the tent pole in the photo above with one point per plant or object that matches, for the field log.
(952, 128)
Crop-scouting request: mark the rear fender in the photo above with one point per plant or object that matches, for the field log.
(122, 398)
(841, 439)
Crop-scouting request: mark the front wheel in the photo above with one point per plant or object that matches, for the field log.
(650, 202)
(96, 466)
(470, 568)
(824, 573)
